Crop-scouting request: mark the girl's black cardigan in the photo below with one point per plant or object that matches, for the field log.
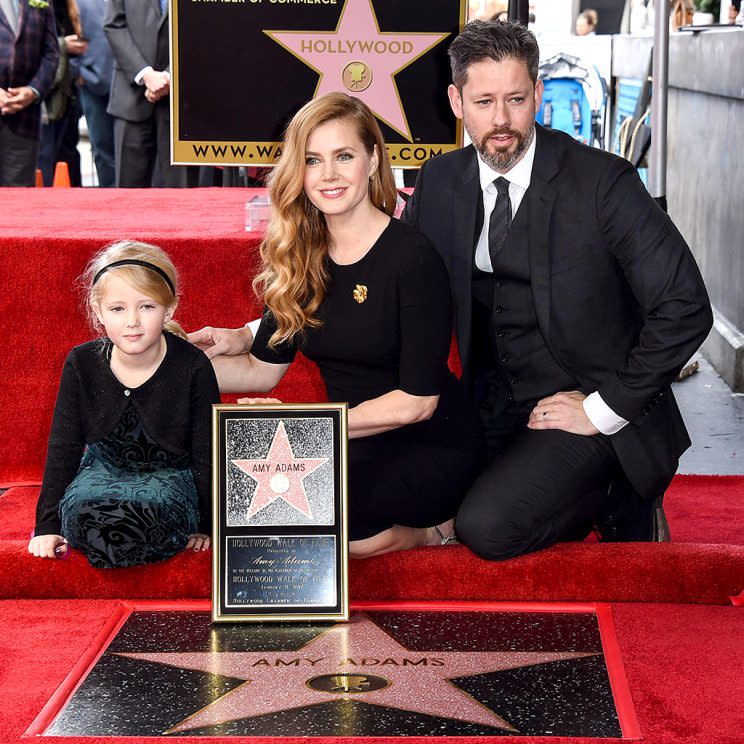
(174, 406)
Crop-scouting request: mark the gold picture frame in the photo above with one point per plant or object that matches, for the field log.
(280, 532)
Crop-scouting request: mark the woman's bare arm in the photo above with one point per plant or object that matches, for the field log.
(390, 411)
(246, 374)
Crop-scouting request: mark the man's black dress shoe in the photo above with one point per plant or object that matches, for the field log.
(633, 520)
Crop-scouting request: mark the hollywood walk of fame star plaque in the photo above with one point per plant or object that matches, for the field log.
(280, 532)
(242, 68)
(389, 672)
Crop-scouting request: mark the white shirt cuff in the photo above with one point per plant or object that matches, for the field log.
(602, 416)
(253, 325)
(138, 77)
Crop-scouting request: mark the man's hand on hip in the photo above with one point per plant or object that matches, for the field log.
(564, 411)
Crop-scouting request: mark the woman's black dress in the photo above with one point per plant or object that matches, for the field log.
(387, 325)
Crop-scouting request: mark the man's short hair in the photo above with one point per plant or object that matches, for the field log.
(492, 40)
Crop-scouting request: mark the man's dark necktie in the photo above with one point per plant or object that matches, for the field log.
(498, 224)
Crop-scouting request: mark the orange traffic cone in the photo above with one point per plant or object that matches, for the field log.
(61, 176)
(39, 179)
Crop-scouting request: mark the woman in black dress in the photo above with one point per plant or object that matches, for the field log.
(367, 299)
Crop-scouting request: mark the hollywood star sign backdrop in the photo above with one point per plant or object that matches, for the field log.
(242, 68)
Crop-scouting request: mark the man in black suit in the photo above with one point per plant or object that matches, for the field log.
(139, 101)
(577, 303)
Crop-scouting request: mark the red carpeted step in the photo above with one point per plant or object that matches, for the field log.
(675, 572)
(106, 215)
(618, 572)
(203, 231)
(17, 511)
(700, 508)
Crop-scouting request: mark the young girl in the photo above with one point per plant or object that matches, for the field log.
(127, 475)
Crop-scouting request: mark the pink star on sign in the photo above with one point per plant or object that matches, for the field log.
(280, 475)
(358, 38)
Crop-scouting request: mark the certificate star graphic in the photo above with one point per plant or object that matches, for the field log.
(280, 475)
(329, 668)
(358, 39)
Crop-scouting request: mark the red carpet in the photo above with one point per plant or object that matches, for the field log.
(692, 569)
(42, 312)
(706, 508)
(203, 231)
(683, 664)
(700, 508)
(102, 215)
(707, 574)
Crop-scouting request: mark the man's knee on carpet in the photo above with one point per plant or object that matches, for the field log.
(498, 537)
(523, 515)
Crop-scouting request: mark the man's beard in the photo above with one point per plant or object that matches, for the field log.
(502, 161)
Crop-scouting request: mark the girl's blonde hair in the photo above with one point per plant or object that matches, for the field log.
(293, 277)
(143, 279)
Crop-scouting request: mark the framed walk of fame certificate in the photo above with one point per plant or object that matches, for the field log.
(279, 512)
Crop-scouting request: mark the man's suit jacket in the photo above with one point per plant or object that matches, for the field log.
(29, 57)
(619, 298)
(138, 35)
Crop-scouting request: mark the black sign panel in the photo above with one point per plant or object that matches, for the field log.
(242, 68)
(280, 571)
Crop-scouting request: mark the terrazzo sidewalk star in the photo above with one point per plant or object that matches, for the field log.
(386, 673)
(329, 666)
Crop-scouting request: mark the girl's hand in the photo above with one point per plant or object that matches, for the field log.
(43, 546)
(258, 401)
(198, 542)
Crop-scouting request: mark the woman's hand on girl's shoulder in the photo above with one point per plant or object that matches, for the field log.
(44, 546)
(198, 542)
(218, 341)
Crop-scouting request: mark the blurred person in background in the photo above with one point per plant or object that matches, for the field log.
(28, 60)
(61, 111)
(487, 9)
(586, 22)
(140, 91)
(96, 71)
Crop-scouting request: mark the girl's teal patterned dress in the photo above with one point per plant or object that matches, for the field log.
(132, 501)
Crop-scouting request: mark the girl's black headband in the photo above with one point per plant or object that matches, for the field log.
(136, 262)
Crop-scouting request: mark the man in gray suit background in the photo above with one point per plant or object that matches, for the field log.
(138, 33)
